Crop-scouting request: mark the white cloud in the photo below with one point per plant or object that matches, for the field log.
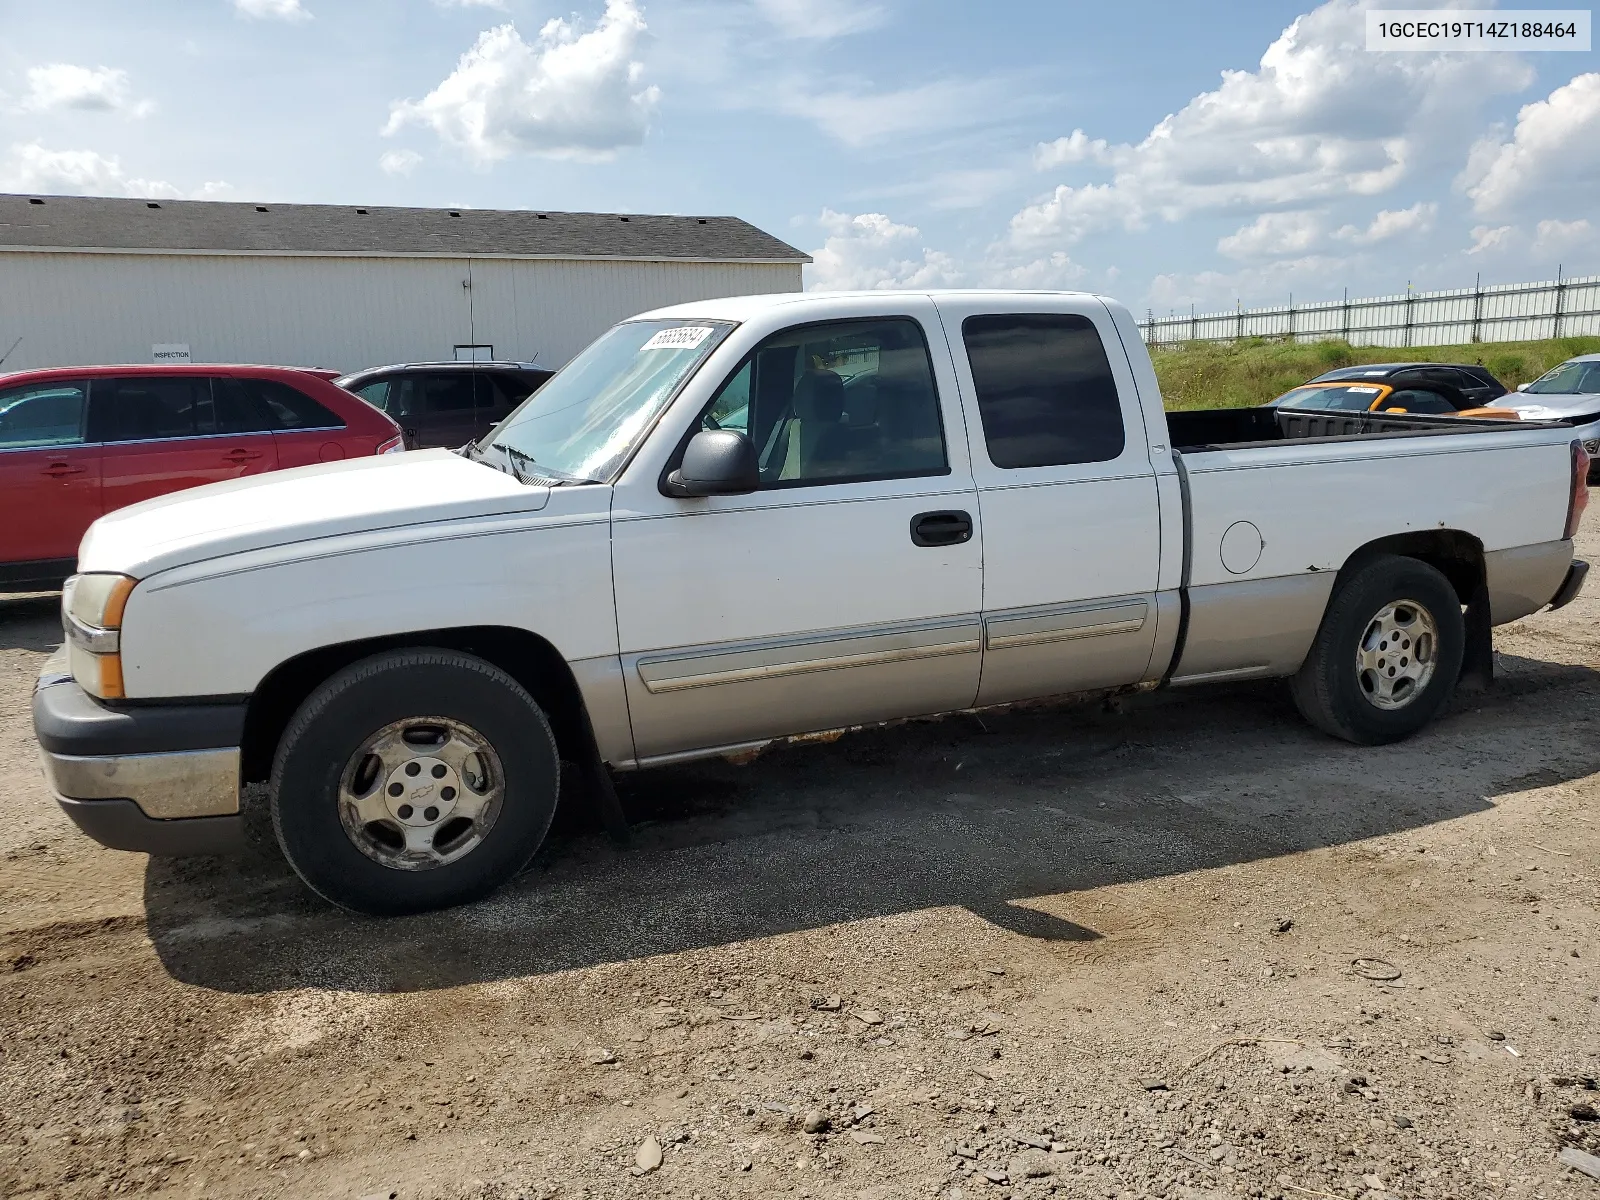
(399, 162)
(1296, 234)
(1053, 272)
(1390, 223)
(1552, 238)
(86, 89)
(862, 118)
(1076, 147)
(821, 19)
(1553, 154)
(570, 94)
(32, 168)
(1070, 213)
(1272, 235)
(275, 10)
(870, 251)
(1486, 240)
(1320, 120)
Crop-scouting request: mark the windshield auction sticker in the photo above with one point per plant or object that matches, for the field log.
(1478, 29)
(679, 337)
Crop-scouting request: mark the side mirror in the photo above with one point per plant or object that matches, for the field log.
(717, 462)
(1522, 387)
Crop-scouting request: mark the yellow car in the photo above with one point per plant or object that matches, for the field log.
(1436, 389)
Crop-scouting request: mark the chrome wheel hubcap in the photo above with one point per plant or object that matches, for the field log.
(1397, 654)
(421, 793)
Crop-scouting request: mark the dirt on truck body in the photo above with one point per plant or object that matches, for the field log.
(1190, 948)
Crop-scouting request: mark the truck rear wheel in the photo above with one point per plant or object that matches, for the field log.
(414, 780)
(1387, 655)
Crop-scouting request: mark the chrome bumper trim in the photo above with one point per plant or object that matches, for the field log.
(166, 787)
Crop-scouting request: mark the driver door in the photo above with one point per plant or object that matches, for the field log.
(847, 588)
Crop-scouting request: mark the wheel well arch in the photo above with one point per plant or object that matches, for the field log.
(528, 658)
(1456, 555)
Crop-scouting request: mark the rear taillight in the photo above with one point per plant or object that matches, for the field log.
(1579, 500)
(393, 446)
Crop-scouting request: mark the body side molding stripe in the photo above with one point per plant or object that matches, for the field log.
(798, 656)
(1033, 627)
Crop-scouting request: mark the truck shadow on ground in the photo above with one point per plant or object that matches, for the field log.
(968, 811)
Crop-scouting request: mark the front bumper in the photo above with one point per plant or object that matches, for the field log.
(159, 779)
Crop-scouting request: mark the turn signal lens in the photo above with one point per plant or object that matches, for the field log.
(92, 610)
(393, 446)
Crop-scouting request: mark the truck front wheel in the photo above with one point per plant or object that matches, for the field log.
(1387, 655)
(414, 780)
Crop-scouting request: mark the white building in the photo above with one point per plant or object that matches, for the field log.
(88, 280)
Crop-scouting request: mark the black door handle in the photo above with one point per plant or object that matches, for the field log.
(949, 528)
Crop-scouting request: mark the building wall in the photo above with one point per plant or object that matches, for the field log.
(344, 313)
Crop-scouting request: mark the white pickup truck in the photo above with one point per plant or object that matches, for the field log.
(747, 519)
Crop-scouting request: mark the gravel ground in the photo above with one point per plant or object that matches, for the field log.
(1187, 949)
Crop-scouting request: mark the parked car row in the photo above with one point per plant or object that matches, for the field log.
(79, 442)
(1567, 392)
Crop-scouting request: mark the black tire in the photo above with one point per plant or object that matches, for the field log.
(1329, 689)
(340, 718)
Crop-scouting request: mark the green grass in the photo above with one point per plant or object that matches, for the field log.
(1255, 370)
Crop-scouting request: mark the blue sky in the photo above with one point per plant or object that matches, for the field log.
(1169, 154)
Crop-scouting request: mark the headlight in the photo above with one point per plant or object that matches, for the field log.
(91, 614)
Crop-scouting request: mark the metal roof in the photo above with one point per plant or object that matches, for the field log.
(71, 223)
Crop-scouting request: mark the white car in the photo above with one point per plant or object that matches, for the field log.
(1568, 392)
(747, 519)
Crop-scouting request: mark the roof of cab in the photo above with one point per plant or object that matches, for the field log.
(741, 308)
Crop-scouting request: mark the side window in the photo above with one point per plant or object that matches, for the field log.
(375, 394)
(290, 408)
(731, 408)
(1046, 395)
(237, 409)
(837, 402)
(144, 408)
(42, 414)
(446, 392)
(1418, 400)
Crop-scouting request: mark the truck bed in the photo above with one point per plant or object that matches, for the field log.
(1195, 431)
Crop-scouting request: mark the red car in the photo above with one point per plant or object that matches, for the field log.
(77, 442)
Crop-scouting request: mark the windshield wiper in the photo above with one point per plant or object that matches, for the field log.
(542, 475)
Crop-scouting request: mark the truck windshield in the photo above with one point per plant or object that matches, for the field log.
(586, 421)
(1354, 397)
(1569, 379)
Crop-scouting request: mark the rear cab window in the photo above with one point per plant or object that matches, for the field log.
(1045, 390)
